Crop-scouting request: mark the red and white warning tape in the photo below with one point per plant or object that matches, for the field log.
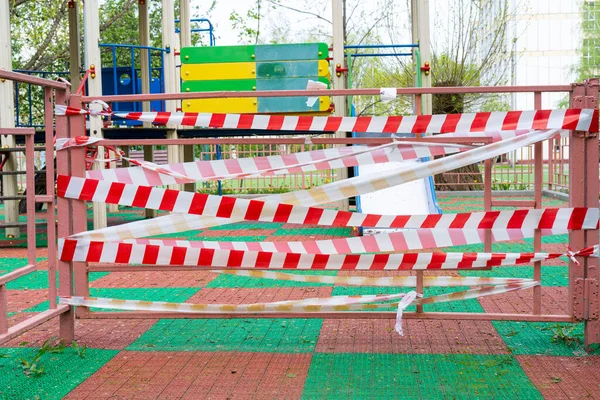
(140, 254)
(569, 119)
(402, 281)
(260, 210)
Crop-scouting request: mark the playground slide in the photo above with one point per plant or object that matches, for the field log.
(411, 198)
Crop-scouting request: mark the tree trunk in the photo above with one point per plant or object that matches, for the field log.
(468, 177)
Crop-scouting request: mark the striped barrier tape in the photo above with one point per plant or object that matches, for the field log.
(403, 281)
(154, 175)
(260, 210)
(405, 240)
(142, 254)
(332, 304)
(333, 158)
(229, 207)
(319, 195)
(568, 119)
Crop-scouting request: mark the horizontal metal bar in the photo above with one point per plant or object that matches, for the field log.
(12, 173)
(17, 273)
(44, 199)
(32, 322)
(133, 46)
(380, 46)
(18, 149)
(339, 315)
(19, 77)
(43, 73)
(332, 92)
(378, 54)
(19, 224)
(513, 203)
(267, 140)
(17, 131)
(2, 198)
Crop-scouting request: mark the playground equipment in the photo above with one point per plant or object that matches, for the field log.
(256, 67)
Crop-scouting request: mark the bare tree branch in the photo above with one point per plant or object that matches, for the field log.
(48, 39)
(299, 11)
(124, 10)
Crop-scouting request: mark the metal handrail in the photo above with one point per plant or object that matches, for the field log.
(134, 46)
(331, 92)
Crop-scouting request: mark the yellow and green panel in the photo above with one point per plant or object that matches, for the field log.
(255, 67)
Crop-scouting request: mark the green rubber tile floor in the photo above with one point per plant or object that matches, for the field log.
(247, 225)
(416, 376)
(39, 280)
(237, 334)
(62, 372)
(542, 338)
(261, 334)
(178, 295)
(113, 334)
(341, 231)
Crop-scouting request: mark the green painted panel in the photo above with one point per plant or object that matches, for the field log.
(216, 54)
(271, 52)
(271, 105)
(219, 85)
(288, 83)
(290, 52)
(290, 69)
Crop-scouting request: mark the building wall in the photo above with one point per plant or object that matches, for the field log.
(548, 38)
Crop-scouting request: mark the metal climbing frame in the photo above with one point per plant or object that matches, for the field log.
(54, 92)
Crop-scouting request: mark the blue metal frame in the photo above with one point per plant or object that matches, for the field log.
(210, 29)
(113, 48)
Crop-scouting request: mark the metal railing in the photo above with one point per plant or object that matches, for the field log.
(53, 93)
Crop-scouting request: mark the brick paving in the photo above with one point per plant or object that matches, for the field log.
(307, 358)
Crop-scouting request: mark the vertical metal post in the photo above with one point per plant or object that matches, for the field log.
(419, 289)
(146, 76)
(551, 146)
(583, 192)
(7, 120)
(65, 217)
(171, 86)
(94, 83)
(50, 213)
(592, 188)
(487, 202)
(74, 46)
(339, 80)
(30, 197)
(3, 310)
(185, 40)
(219, 157)
(538, 171)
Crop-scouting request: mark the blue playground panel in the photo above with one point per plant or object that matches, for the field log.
(123, 84)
